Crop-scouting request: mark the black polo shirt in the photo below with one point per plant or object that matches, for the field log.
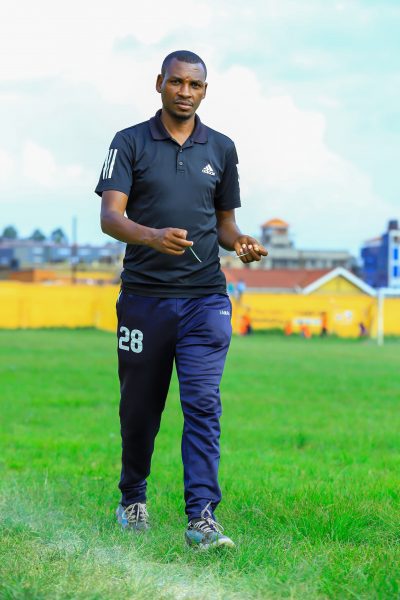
(169, 185)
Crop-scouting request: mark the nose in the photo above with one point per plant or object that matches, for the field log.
(184, 90)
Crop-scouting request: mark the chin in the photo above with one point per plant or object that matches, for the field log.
(181, 116)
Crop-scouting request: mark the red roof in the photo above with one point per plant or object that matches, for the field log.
(374, 240)
(289, 279)
(278, 223)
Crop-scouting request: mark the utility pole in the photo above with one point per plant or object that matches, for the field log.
(74, 250)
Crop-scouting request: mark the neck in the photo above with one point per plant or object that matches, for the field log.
(177, 128)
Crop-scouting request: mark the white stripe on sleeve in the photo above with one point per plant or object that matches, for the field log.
(106, 163)
(110, 170)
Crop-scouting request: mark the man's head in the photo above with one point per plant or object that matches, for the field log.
(183, 56)
(182, 84)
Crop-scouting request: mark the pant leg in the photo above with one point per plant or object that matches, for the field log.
(203, 340)
(146, 345)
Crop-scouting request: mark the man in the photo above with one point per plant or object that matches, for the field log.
(177, 181)
(324, 324)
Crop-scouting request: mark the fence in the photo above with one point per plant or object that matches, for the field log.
(24, 305)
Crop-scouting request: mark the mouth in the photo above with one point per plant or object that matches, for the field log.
(183, 105)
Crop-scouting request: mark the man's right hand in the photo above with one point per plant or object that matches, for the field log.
(169, 241)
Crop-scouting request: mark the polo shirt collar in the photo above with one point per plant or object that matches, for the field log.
(159, 132)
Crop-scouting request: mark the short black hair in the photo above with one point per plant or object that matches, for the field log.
(184, 56)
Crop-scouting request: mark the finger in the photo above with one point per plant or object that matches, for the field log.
(182, 242)
(172, 245)
(241, 249)
(249, 250)
(259, 251)
(237, 246)
(245, 258)
(245, 254)
(253, 254)
(259, 248)
(180, 233)
(174, 252)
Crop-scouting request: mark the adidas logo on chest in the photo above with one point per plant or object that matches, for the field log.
(208, 170)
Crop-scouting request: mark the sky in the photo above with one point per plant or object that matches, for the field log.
(307, 89)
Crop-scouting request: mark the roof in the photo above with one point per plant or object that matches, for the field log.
(373, 241)
(290, 279)
(340, 272)
(275, 223)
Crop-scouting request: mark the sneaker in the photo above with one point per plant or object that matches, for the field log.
(134, 516)
(205, 533)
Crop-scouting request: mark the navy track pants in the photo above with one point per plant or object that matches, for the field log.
(152, 333)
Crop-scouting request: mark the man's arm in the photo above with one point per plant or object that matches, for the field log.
(169, 240)
(231, 238)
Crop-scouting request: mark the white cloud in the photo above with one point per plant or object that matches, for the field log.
(40, 167)
(7, 165)
(286, 165)
(327, 102)
(279, 143)
(75, 39)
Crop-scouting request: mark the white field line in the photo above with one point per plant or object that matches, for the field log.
(176, 581)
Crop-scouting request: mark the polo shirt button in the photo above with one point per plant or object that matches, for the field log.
(180, 164)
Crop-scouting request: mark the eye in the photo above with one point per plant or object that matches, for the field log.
(195, 84)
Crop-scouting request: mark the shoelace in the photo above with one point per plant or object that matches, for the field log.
(207, 523)
(136, 512)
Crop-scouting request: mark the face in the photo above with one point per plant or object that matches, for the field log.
(182, 89)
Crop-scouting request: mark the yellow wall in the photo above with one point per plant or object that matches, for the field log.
(25, 305)
(30, 305)
(339, 285)
(392, 316)
(345, 312)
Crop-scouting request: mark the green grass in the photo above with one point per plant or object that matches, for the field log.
(310, 474)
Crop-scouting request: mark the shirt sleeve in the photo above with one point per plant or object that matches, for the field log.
(117, 170)
(227, 193)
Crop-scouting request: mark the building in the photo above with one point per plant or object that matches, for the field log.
(282, 253)
(339, 282)
(298, 300)
(327, 282)
(26, 254)
(6, 258)
(273, 281)
(381, 258)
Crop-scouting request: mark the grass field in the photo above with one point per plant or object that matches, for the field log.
(310, 474)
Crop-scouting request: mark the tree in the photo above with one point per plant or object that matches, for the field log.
(37, 236)
(58, 236)
(10, 233)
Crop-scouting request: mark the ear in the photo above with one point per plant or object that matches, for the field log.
(205, 90)
(159, 81)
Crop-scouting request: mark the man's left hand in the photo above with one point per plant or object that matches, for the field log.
(249, 249)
